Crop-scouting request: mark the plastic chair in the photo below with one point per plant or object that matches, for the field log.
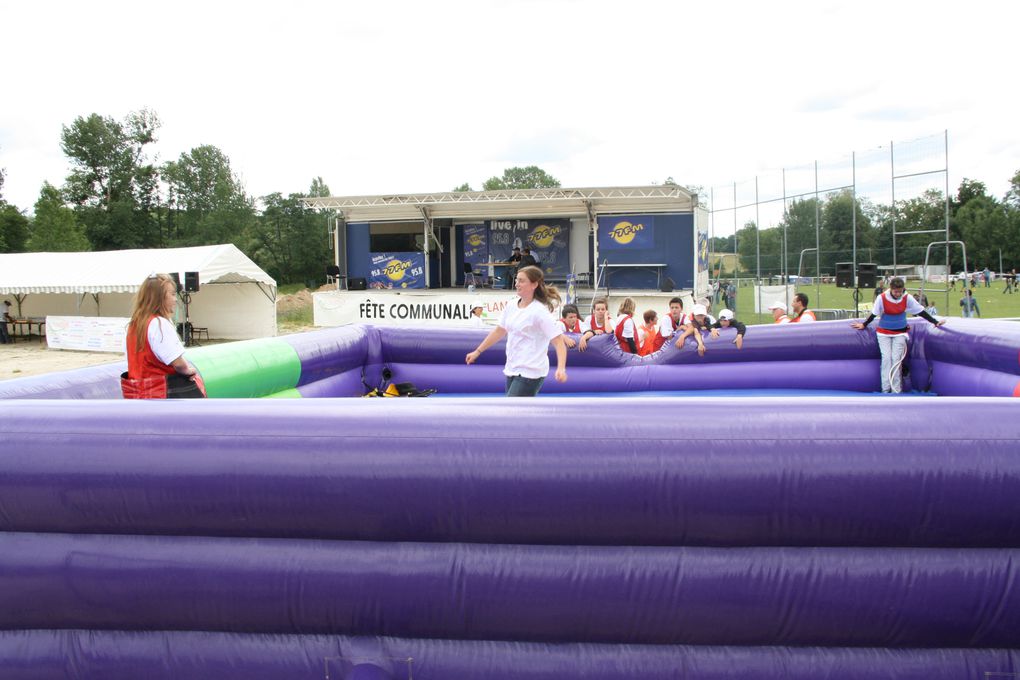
(471, 277)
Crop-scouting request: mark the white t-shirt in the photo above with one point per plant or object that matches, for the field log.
(528, 332)
(628, 328)
(163, 340)
(666, 325)
(589, 323)
(5, 310)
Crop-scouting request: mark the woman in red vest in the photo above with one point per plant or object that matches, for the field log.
(157, 368)
(626, 329)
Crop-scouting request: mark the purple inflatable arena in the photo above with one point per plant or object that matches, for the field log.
(815, 532)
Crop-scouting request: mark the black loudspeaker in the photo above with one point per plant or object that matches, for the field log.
(358, 283)
(191, 282)
(667, 285)
(177, 280)
(844, 275)
(867, 273)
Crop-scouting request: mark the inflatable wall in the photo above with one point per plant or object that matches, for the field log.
(964, 358)
(462, 538)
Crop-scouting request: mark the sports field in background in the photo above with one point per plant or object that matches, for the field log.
(992, 301)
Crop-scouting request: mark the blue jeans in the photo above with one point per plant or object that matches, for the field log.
(519, 386)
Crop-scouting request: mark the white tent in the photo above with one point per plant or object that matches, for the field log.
(236, 299)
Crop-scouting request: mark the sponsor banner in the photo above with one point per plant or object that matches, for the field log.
(626, 232)
(89, 333)
(397, 270)
(702, 251)
(548, 240)
(476, 244)
(338, 308)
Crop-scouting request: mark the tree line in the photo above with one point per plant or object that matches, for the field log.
(117, 197)
(989, 227)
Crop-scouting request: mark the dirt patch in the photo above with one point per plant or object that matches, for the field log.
(294, 302)
(32, 357)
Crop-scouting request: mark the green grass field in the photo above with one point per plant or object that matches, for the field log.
(992, 302)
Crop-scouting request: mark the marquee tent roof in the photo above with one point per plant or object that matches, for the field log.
(121, 271)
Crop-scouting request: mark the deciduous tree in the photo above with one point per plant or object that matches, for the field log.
(54, 227)
(531, 177)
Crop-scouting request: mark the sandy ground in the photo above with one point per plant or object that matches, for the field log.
(32, 357)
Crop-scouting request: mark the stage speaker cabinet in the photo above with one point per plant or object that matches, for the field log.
(667, 285)
(844, 275)
(191, 282)
(357, 283)
(867, 274)
(177, 281)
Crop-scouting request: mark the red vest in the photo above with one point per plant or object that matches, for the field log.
(576, 328)
(142, 363)
(619, 334)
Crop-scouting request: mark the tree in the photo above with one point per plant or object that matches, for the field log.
(13, 229)
(111, 182)
(800, 222)
(319, 189)
(463, 187)
(1013, 195)
(986, 227)
(289, 240)
(531, 177)
(207, 203)
(54, 228)
(839, 227)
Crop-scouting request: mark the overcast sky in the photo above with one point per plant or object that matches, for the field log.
(387, 97)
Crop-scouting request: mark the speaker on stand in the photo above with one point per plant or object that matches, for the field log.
(867, 274)
(844, 275)
(191, 285)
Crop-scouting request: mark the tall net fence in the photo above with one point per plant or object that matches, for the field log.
(858, 218)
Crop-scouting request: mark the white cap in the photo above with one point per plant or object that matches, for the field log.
(777, 305)
(476, 305)
(698, 309)
(725, 314)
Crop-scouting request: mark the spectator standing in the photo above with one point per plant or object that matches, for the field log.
(675, 320)
(987, 273)
(892, 308)
(778, 310)
(598, 323)
(1010, 277)
(527, 259)
(570, 322)
(511, 273)
(801, 313)
(969, 304)
(731, 295)
(476, 316)
(648, 334)
(5, 317)
(529, 328)
(626, 329)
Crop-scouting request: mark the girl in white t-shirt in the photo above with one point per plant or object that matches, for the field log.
(528, 327)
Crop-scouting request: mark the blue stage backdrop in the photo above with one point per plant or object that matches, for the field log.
(548, 240)
(627, 232)
(476, 243)
(397, 270)
(648, 239)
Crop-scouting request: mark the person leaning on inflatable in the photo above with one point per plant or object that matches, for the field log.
(892, 308)
(157, 368)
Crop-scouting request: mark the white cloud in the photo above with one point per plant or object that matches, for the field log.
(409, 96)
